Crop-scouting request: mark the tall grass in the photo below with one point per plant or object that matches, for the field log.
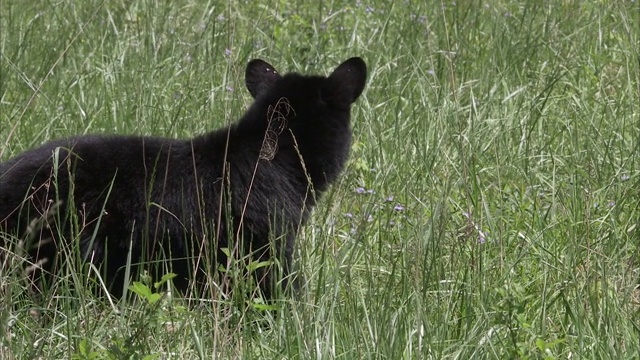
(490, 208)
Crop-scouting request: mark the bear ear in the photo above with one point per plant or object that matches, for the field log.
(346, 82)
(259, 76)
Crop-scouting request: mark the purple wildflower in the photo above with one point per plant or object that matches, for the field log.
(361, 190)
(398, 208)
(482, 236)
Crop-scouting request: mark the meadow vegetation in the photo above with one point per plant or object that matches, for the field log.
(490, 208)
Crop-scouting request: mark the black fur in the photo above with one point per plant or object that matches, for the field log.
(167, 198)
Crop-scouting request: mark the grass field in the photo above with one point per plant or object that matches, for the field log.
(490, 209)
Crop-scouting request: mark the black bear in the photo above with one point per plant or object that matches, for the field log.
(241, 190)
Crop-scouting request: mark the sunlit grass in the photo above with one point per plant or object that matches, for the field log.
(490, 208)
